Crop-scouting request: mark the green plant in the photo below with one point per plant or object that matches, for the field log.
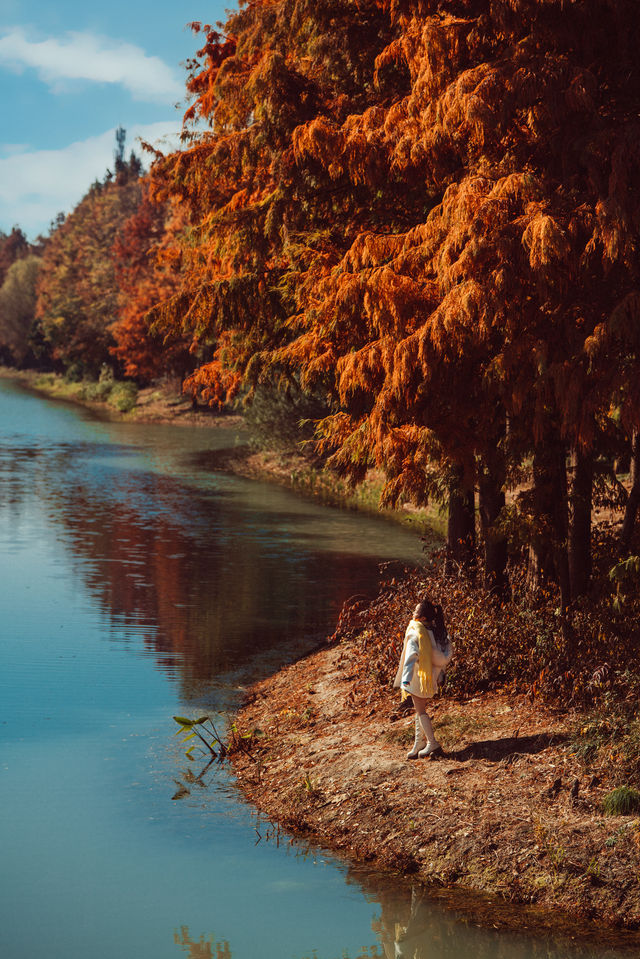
(557, 856)
(100, 390)
(621, 574)
(199, 728)
(593, 868)
(215, 747)
(307, 785)
(622, 801)
(124, 396)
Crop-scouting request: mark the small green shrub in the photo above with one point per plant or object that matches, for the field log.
(124, 396)
(623, 801)
(98, 392)
(75, 372)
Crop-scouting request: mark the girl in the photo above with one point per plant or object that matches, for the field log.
(421, 667)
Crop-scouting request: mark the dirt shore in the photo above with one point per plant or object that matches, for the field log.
(508, 811)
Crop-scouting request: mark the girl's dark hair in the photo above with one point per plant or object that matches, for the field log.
(433, 614)
(427, 610)
(438, 619)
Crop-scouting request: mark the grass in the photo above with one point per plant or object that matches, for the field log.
(609, 742)
(399, 735)
(591, 737)
(121, 396)
(365, 498)
(623, 801)
(455, 726)
(56, 386)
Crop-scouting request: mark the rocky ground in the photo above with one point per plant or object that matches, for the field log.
(508, 810)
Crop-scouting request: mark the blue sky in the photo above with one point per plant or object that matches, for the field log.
(70, 74)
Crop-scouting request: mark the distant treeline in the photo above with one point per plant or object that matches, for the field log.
(416, 222)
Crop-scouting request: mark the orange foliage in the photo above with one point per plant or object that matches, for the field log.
(426, 213)
(147, 271)
(77, 289)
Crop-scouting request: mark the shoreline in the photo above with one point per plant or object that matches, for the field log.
(496, 829)
(159, 404)
(493, 830)
(165, 405)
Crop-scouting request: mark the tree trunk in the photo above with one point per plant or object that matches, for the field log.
(580, 522)
(461, 527)
(491, 502)
(540, 565)
(630, 513)
(561, 528)
(548, 555)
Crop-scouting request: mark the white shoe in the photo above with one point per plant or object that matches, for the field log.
(419, 741)
(432, 743)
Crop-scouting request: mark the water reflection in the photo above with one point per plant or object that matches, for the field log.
(411, 925)
(114, 543)
(203, 948)
(205, 575)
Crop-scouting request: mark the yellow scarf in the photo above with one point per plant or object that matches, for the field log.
(425, 665)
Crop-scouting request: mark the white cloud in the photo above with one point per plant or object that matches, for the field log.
(89, 57)
(37, 185)
(10, 148)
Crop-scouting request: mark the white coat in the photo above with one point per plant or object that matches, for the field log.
(407, 677)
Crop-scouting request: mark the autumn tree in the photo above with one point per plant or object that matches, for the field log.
(251, 207)
(472, 328)
(147, 263)
(427, 211)
(77, 292)
(17, 307)
(13, 246)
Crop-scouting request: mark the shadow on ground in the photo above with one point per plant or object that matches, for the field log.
(495, 750)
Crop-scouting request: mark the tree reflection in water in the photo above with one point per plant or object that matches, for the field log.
(203, 948)
(204, 578)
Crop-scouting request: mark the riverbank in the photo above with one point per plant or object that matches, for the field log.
(508, 817)
(122, 401)
(518, 823)
(165, 404)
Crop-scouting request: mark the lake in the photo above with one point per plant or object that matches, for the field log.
(139, 583)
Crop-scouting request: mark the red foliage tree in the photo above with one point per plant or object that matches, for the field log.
(428, 211)
(251, 206)
(520, 116)
(147, 270)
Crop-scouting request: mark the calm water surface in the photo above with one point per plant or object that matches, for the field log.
(137, 583)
